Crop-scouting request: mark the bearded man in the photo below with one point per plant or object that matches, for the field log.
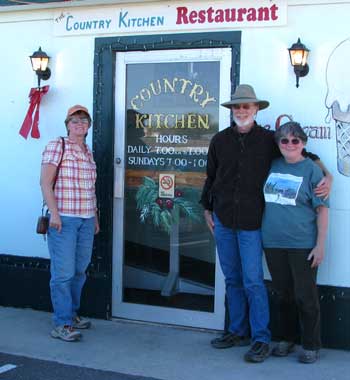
(239, 160)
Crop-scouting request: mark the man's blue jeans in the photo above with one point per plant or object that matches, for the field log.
(240, 255)
(70, 253)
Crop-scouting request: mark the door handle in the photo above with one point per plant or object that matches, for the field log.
(118, 178)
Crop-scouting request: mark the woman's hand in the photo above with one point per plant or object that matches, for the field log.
(47, 179)
(209, 220)
(316, 255)
(55, 221)
(97, 225)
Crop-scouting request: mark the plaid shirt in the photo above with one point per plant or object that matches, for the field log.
(75, 186)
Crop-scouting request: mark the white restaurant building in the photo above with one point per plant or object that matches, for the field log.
(153, 73)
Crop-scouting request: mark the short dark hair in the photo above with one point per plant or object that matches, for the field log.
(290, 128)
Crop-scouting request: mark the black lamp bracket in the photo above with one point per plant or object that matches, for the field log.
(300, 71)
(43, 75)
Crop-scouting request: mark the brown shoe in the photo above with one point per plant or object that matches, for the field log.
(257, 353)
(229, 339)
(309, 356)
(283, 348)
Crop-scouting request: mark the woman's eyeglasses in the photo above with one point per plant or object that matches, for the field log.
(286, 141)
(76, 121)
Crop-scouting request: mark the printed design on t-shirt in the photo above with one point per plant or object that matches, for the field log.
(282, 188)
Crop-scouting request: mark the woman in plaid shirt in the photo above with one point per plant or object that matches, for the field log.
(73, 220)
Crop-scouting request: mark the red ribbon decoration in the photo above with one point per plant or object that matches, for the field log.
(30, 124)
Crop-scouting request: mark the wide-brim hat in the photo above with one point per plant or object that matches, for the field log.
(77, 108)
(245, 94)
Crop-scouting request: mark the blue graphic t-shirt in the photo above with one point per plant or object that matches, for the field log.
(290, 217)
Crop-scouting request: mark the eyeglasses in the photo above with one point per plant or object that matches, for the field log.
(286, 141)
(76, 121)
(246, 106)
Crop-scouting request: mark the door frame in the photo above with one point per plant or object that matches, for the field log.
(152, 313)
(104, 122)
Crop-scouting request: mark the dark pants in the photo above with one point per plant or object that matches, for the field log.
(294, 281)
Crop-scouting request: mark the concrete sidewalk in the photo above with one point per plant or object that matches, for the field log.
(161, 352)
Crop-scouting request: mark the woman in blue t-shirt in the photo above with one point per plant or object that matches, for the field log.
(294, 232)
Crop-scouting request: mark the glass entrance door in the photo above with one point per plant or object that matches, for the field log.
(167, 110)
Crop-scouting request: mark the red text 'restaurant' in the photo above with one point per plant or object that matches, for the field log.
(211, 15)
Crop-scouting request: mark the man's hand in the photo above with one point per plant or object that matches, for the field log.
(323, 188)
(209, 220)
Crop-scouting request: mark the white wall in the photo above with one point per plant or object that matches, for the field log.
(20, 199)
(264, 63)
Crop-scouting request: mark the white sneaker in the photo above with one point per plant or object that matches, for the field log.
(81, 323)
(66, 333)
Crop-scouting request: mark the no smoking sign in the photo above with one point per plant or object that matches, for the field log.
(166, 185)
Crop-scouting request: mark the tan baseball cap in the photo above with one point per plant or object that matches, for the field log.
(77, 108)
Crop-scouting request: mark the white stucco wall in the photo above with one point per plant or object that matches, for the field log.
(20, 159)
(264, 63)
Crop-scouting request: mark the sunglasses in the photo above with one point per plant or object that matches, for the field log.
(239, 106)
(286, 141)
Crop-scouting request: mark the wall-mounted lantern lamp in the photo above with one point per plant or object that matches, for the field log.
(298, 54)
(40, 60)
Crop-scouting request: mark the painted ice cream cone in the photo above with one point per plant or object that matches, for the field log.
(342, 125)
(338, 101)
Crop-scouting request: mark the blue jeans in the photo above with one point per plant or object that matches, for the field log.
(70, 253)
(240, 255)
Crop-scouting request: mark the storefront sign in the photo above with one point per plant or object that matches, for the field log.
(195, 15)
(170, 118)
